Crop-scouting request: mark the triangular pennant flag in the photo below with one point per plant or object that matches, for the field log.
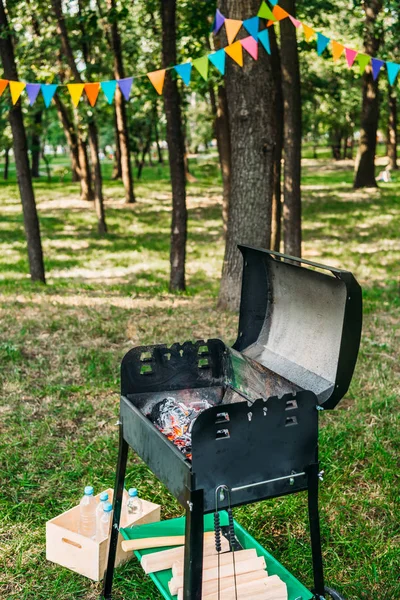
(363, 60)
(48, 91)
(279, 13)
(16, 89)
(218, 21)
(201, 65)
(350, 56)
(295, 22)
(251, 45)
(263, 37)
(184, 71)
(265, 12)
(75, 90)
(232, 27)
(252, 26)
(109, 88)
(92, 91)
(3, 85)
(32, 89)
(125, 86)
(337, 50)
(392, 71)
(322, 42)
(157, 78)
(273, 2)
(377, 64)
(308, 32)
(235, 51)
(218, 60)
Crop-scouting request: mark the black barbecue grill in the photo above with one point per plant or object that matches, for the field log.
(298, 340)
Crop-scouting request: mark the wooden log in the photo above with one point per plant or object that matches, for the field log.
(267, 589)
(210, 587)
(245, 566)
(159, 561)
(158, 542)
(210, 562)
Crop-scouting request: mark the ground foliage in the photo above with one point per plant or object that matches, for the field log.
(61, 345)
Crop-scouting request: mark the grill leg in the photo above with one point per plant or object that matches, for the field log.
(319, 586)
(194, 539)
(118, 495)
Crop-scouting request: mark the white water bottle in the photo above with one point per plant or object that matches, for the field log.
(103, 531)
(134, 505)
(87, 522)
(100, 508)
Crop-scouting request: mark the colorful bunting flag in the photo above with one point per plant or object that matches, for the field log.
(184, 71)
(125, 86)
(363, 61)
(308, 32)
(263, 37)
(16, 89)
(279, 13)
(201, 65)
(109, 88)
(295, 22)
(218, 21)
(218, 60)
(75, 90)
(92, 91)
(3, 85)
(232, 27)
(377, 64)
(157, 78)
(350, 56)
(322, 42)
(235, 51)
(273, 2)
(265, 12)
(48, 91)
(337, 50)
(32, 89)
(392, 71)
(252, 26)
(251, 45)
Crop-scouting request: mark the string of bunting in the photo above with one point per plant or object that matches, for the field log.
(234, 50)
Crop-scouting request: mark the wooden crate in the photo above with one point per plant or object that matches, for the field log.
(66, 547)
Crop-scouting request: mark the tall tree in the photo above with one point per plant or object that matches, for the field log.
(392, 129)
(31, 221)
(36, 142)
(120, 110)
(276, 219)
(176, 149)
(365, 161)
(291, 133)
(251, 107)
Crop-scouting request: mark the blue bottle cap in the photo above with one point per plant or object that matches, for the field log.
(107, 507)
(132, 492)
(103, 497)
(89, 490)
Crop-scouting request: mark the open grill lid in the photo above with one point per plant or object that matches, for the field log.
(299, 322)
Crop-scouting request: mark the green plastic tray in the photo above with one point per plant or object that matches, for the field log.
(296, 591)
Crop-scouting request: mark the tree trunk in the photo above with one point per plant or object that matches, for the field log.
(276, 219)
(120, 109)
(221, 127)
(253, 140)
(392, 129)
(291, 133)
(176, 150)
(145, 151)
(6, 162)
(36, 143)
(156, 135)
(98, 182)
(31, 221)
(365, 161)
(117, 169)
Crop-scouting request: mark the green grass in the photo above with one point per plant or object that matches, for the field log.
(61, 345)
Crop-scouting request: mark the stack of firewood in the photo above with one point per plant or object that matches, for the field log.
(250, 582)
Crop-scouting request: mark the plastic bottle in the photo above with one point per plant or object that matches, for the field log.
(87, 522)
(105, 522)
(100, 508)
(134, 505)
